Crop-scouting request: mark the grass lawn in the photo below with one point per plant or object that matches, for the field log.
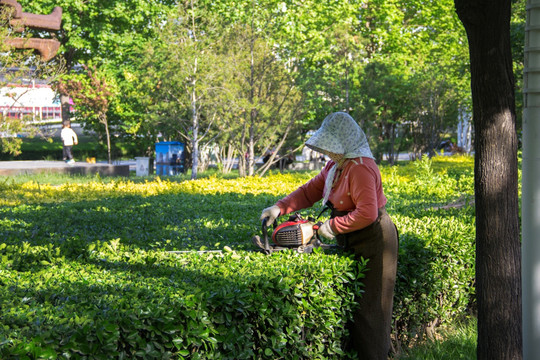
(454, 342)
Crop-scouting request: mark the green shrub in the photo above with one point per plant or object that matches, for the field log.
(435, 272)
(51, 149)
(88, 270)
(112, 301)
(435, 219)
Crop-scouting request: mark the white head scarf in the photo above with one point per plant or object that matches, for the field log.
(339, 134)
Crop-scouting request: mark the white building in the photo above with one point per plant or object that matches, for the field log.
(36, 102)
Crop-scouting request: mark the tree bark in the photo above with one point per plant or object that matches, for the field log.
(108, 135)
(64, 101)
(195, 133)
(498, 249)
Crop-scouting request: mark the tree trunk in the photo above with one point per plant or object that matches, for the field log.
(227, 158)
(251, 143)
(195, 134)
(65, 105)
(391, 145)
(104, 121)
(64, 98)
(498, 258)
(241, 152)
(253, 111)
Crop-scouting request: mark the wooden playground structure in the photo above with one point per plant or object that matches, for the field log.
(20, 20)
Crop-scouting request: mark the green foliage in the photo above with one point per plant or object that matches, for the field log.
(430, 201)
(110, 300)
(327, 47)
(51, 149)
(90, 273)
(97, 31)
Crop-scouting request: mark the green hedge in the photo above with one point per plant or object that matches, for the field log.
(435, 217)
(113, 301)
(88, 274)
(51, 149)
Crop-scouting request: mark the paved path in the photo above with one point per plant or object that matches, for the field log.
(33, 167)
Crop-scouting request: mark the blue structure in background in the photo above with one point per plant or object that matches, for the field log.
(170, 158)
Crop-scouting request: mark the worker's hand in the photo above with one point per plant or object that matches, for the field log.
(325, 231)
(272, 213)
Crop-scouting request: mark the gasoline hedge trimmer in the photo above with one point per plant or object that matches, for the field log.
(296, 233)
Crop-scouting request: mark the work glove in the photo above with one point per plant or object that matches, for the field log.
(325, 231)
(272, 213)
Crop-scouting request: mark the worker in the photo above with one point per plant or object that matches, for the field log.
(351, 185)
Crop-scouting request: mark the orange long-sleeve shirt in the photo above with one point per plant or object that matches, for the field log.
(358, 190)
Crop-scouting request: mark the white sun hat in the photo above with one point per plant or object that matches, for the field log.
(339, 134)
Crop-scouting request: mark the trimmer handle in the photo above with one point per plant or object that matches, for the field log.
(265, 234)
(264, 226)
(316, 227)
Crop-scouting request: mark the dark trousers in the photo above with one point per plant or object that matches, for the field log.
(370, 330)
(67, 153)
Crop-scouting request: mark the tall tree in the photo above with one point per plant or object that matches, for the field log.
(186, 78)
(92, 92)
(435, 98)
(264, 94)
(95, 31)
(498, 258)
(130, 110)
(324, 45)
(386, 103)
(313, 38)
(422, 44)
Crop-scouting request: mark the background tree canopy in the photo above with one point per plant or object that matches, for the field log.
(210, 73)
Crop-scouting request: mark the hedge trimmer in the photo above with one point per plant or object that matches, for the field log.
(296, 233)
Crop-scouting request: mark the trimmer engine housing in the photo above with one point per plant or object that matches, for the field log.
(296, 233)
(293, 233)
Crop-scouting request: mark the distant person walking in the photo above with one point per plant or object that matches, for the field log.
(69, 138)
